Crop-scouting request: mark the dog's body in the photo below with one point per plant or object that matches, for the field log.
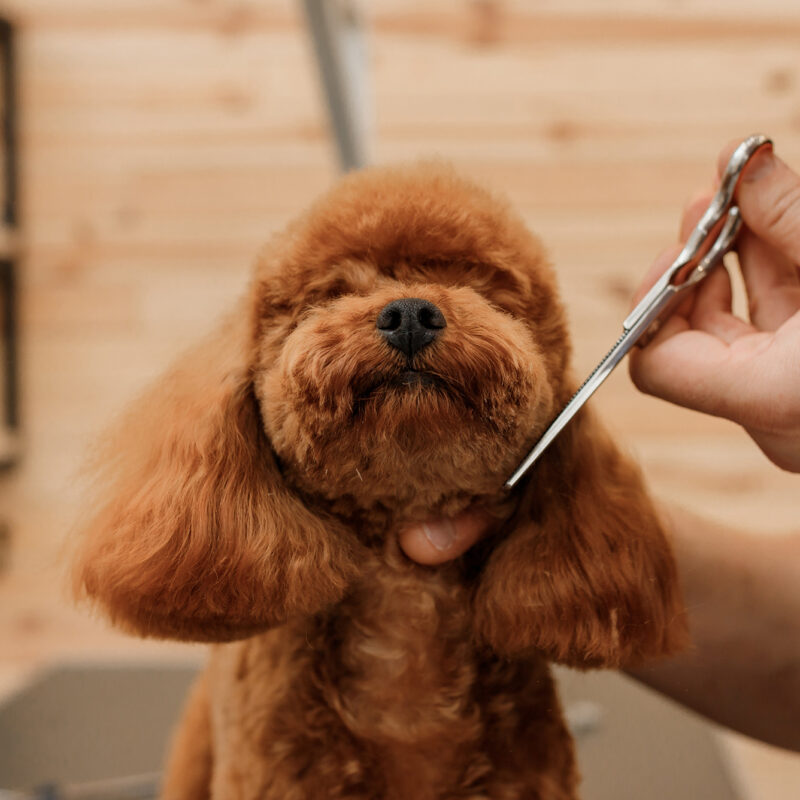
(402, 347)
(385, 698)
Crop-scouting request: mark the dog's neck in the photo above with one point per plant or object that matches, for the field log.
(402, 669)
(378, 522)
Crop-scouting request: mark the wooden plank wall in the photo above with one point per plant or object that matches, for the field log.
(163, 140)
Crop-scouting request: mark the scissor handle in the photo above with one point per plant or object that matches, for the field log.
(699, 246)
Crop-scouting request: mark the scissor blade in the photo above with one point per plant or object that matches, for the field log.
(655, 305)
(639, 322)
(587, 389)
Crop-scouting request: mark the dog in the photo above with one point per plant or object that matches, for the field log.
(401, 347)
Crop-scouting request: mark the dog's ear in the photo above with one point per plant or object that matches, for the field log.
(195, 535)
(586, 575)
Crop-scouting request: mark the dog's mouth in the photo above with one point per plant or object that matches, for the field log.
(409, 381)
(415, 377)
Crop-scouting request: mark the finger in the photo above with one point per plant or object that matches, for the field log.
(771, 280)
(712, 311)
(692, 212)
(438, 540)
(657, 269)
(687, 367)
(768, 195)
(644, 362)
(679, 370)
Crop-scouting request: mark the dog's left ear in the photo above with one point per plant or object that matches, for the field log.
(586, 575)
(194, 533)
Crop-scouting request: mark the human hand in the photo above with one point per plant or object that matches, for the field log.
(438, 540)
(706, 358)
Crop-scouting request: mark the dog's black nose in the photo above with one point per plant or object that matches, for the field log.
(410, 324)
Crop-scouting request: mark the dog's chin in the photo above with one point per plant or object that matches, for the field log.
(415, 442)
(408, 438)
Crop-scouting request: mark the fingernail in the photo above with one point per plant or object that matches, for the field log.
(760, 166)
(441, 534)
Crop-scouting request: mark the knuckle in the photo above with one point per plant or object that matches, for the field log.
(782, 214)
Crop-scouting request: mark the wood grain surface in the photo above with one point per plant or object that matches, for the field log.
(164, 140)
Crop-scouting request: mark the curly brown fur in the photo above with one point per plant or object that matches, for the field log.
(255, 494)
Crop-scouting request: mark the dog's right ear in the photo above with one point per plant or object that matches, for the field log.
(196, 536)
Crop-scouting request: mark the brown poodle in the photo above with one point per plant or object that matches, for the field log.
(401, 348)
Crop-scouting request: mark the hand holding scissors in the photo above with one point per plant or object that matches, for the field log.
(714, 235)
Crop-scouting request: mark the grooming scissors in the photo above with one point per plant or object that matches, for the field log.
(702, 252)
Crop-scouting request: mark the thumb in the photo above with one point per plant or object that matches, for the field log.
(443, 539)
(769, 197)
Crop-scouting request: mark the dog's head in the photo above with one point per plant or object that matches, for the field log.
(409, 343)
(401, 347)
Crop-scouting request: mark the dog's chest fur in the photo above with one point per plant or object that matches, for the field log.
(403, 673)
(401, 655)
(387, 689)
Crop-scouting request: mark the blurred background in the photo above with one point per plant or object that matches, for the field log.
(160, 142)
